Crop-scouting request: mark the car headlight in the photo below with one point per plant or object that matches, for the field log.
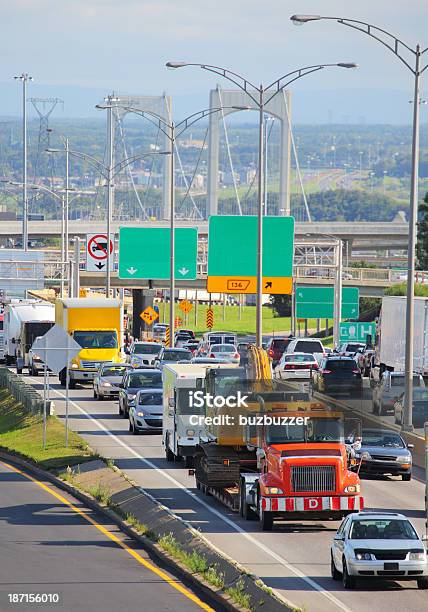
(131, 396)
(417, 556)
(74, 366)
(407, 459)
(274, 491)
(105, 384)
(36, 357)
(352, 488)
(365, 456)
(363, 556)
(140, 414)
(190, 433)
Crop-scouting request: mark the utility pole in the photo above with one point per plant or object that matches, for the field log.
(24, 77)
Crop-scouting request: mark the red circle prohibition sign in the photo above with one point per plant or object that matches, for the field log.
(97, 246)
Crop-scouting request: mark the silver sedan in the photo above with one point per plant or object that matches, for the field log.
(108, 379)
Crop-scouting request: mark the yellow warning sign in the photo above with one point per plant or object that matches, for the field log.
(185, 306)
(149, 315)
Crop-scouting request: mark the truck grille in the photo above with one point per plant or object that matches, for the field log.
(90, 365)
(313, 478)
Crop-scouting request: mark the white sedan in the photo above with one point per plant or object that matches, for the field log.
(224, 352)
(380, 545)
(295, 366)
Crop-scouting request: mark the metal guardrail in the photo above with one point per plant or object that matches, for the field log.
(24, 393)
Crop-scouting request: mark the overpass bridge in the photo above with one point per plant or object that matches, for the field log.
(371, 282)
(360, 235)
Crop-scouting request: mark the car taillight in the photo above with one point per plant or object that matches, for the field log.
(212, 355)
(270, 353)
(236, 355)
(315, 366)
(287, 366)
(326, 371)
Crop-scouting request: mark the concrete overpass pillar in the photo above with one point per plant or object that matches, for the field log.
(141, 299)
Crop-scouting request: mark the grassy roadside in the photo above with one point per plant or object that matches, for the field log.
(231, 322)
(22, 433)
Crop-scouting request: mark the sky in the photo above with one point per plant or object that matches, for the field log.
(80, 50)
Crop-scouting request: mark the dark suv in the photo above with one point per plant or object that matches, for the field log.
(337, 374)
(276, 347)
(133, 381)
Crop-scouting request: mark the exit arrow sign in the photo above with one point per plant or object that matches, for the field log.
(144, 252)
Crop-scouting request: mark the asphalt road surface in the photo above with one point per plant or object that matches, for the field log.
(294, 558)
(46, 546)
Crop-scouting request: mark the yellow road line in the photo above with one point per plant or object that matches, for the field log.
(171, 581)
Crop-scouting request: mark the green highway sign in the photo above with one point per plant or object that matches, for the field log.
(232, 254)
(144, 252)
(318, 302)
(357, 332)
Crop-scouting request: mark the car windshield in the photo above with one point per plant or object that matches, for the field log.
(353, 348)
(420, 395)
(114, 371)
(398, 381)
(152, 399)
(340, 364)
(176, 356)
(382, 529)
(387, 440)
(316, 430)
(280, 345)
(145, 380)
(299, 358)
(223, 348)
(306, 346)
(96, 339)
(146, 349)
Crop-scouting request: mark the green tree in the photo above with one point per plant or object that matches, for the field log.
(281, 304)
(422, 244)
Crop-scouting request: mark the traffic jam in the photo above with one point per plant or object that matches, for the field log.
(290, 431)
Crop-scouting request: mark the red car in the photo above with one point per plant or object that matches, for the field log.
(276, 347)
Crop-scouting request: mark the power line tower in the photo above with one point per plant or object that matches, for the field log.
(44, 107)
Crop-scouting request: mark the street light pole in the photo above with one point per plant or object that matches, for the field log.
(172, 236)
(399, 49)
(110, 186)
(260, 214)
(338, 293)
(407, 423)
(67, 186)
(24, 77)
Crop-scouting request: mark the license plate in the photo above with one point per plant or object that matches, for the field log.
(391, 566)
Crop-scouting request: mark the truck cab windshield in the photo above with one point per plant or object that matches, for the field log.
(317, 430)
(96, 339)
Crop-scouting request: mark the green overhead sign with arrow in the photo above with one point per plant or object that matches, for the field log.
(144, 252)
(232, 254)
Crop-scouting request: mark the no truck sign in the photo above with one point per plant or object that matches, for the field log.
(98, 248)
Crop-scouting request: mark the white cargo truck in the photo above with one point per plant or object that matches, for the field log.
(23, 322)
(391, 337)
(180, 434)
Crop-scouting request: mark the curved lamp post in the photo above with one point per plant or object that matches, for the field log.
(398, 48)
(261, 96)
(173, 131)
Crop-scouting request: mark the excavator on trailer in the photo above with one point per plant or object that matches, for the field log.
(282, 456)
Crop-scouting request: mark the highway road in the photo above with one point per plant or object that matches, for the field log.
(293, 559)
(50, 543)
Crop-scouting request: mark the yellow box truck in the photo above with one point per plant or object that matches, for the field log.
(97, 325)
